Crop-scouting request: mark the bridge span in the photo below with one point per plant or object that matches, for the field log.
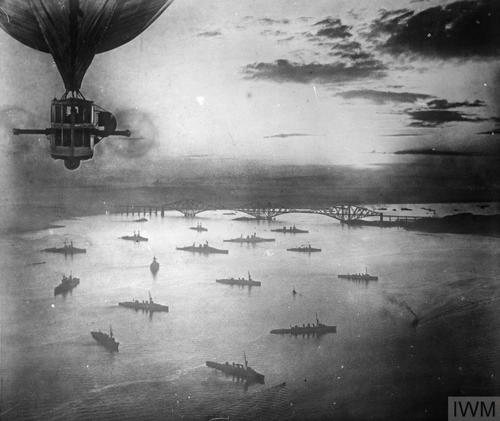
(348, 214)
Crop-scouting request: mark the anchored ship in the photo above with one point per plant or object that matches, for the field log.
(249, 239)
(198, 227)
(66, 249)
(304, 249)
(107, 341)
(154, 266)
(359, 276)
(66, 285)
(204, 249)
(317, 329)
(150, 305)
(238, 371)
(136, 237)
(240, 281)
(290, 230)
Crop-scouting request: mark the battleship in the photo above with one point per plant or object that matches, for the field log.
(359, 277)
(251, 239)
(198, 227)
(66, 249)
(304, 249)
(136, 237)
(150, 305)
(290, 230)
(154, 266)
(317, 329)
(204, 249)
(66, 285)
(238, 371)
(240, 281)
(107, 341)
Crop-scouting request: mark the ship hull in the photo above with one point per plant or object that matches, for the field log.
(317, 331)
(248, 374)
(287, 231)
(132, 238)
(154, 268)
(243, 283)
(105, 341)
(305, 250)
(359, 277)
(62, 250)
(198, 229)
(250, 240)
(203, 250)
(145, 307)
(62, 288)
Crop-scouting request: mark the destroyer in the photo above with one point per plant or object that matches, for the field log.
(66, 285)
(66, 249)
(305, 249)
(240, 281)
(359, 277)
(150, 305)
(154, 266)
(198, 227)
(317, 329)
(136, 237)
(250, 239)
(238, 371)
(204, 249)
(290, 230)
(107, 341)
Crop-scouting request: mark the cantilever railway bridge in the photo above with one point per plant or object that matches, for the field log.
(190, 208)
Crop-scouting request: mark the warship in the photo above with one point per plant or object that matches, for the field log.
(154, 266)
(240, 281)
(198, 227)
(150, 305)
(359, 277)
(238, 371)
(66, 285)
(203, 249)
(317, 329)
(304, 249)
(136, 237)
(66, 249)
(107, 341)
(251, 239)
(290, 230)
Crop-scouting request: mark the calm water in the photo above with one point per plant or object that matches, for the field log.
(375, 367)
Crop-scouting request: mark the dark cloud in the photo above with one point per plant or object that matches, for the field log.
(143, 138)
(276, 33)
(434, 118)
(285, 71)
(460, 29)
(269, 21)
(381, 97)
(403, 135)
(388, 22)
(285, 135)
(210, 34)
(434, 151)
(443, 104)
(333, 28)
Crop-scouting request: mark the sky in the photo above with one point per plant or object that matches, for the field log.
(324, 82)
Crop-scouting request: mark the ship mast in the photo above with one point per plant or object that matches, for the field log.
(245, 358)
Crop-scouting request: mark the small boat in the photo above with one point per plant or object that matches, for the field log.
(66, 249)
(359, 276)
(150, 305)
(240, 281)
(250, 239)
(66, 285)
(238, 371)
(141, 220)
(136, 237)
(108, 341)
(304, 249)
(203, 249)
(198, 227)
(154, 267)
(317, 329)
(290, 230)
